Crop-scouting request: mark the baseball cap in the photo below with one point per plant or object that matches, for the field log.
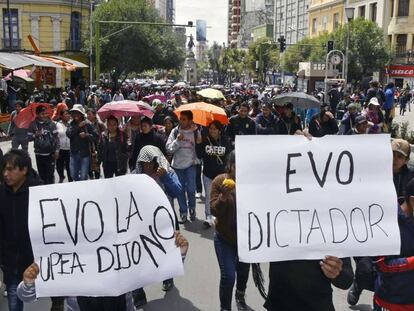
(402, 146)
(374, 101)
(360, 119)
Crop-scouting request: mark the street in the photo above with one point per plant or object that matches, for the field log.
(198, 289)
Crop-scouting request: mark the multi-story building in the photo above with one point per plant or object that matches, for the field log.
(56, 26)
(325, 16)
(170, 11)
(166, 9)
(291, 19)
(234, 22)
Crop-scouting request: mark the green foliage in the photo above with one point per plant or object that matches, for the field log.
(140, 47)
(263, 49)
(368, 50)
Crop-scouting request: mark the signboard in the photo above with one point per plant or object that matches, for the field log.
(301, 199)
(201, 30)
(102, 237)
(400, 71)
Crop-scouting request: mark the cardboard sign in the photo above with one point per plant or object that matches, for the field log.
(102, 237)
(301, 199)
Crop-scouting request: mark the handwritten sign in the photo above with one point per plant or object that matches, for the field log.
(102, 237)
(301, 199)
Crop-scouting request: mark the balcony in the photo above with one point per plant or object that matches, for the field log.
(16, 44)
(73, 45)
(401, 51)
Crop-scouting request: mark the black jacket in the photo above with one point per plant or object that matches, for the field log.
(78, 144)
(142, 140)
(401, 180)
(49, 134)
(161, 115)
(318, 128)
(213, 153)
(121, 142)
(239, 126)
(301, 285)
(15, 246)
(1, 166)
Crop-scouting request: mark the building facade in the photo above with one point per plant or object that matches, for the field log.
(56, 26)
(291, 20)
(234, 22)
(325, 16)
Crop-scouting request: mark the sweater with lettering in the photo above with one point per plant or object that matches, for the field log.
(213, 153)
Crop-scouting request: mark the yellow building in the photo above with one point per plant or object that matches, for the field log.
(325, 16)
(57, 27)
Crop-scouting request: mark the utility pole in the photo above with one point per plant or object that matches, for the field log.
(91, 2)
(10, 27)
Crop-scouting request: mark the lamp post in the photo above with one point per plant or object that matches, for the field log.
(230, 71)
(349, 12)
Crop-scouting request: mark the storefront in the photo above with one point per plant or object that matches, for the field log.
(401, 75)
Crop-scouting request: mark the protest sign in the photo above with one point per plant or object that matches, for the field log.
(102, 237)
(301, 199)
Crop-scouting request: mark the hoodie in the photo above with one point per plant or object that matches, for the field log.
(185, 150)
(214, 154)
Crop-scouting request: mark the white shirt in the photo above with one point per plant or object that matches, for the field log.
(118, 97)
(63, 138)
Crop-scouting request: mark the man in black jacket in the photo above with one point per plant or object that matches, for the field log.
(241, 124)
(323, 124)
(45, 139)
(401, 173)
(16, 250)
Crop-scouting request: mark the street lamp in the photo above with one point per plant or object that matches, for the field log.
(230, 71)
(349, 12)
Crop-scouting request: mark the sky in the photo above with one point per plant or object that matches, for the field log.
(213, 11)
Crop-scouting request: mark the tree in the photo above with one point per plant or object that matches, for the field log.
(265, 51)
(138, 47)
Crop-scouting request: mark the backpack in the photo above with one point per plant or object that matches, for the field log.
(45, 143)
(380, 96)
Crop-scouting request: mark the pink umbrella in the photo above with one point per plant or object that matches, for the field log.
(18, 73)
(124, 109)
(150, 98)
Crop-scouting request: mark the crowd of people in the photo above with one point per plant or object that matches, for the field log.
(184, 158)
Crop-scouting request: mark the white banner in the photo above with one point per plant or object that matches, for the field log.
(103, 237)
(301, 199)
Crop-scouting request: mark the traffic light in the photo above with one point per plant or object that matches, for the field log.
(282, 43)
(330, 46)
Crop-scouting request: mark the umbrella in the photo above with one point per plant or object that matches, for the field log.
(180, 85)
(124, 109)
(18, 73)
(298, 99)
(150, 98)
(211, 94)
(204, 113)
(27, 115)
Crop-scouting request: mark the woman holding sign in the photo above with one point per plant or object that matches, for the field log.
(223, 207)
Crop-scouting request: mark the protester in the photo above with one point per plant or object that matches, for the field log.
(161, 112)
(46, 144)
(359, 126)
(16, 250)
(402, 174)
(146, 137)
(388, 104)
(18, 135)
(99, 126)
(112, 150)
(323, 124)
(182, 143)
(213, 152)
(118, 96)
(223, 207)
(394, 288)
(63, 160)
(374, 116)
(334, 98)
(12, 92)
(269, 124)
(292, 121)
(348, 119)
(241, 124)
(81, 134)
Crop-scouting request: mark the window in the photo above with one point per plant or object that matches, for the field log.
(401, 45)
(392, 8)
(336, 20)
(403, 7)
(324, 22)
(373, 12)
(361, 11)
(75, 32)
(314, 25)
(15, 40)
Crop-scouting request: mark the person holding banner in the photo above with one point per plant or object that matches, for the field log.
(241, 124)
(394, 290)
(223, 207)
(26, 290)
(268, 123)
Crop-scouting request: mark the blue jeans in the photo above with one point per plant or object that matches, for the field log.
(207, 188)
(79, 166)
(187, 178)
(230, 267)
(15, 304)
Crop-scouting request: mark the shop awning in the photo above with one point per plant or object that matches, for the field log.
(15, 61)
(75, 63)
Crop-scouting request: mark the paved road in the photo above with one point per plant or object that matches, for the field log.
(198, 289)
